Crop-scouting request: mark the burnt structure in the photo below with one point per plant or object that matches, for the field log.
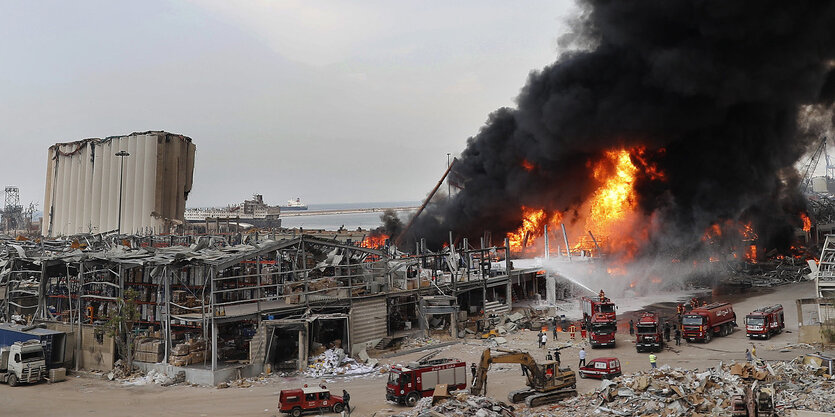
(257, 301)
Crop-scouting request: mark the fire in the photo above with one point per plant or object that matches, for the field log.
(528, 165)
(614, 199)
(734, 238)
(609, 213)
(751, 254)
(532, 222)
(712, 233)
(807, 222)
(374, 241)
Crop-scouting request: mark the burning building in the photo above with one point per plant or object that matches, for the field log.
(659, 123)
(85, 189)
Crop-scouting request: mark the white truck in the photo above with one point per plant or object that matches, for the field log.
(22, 362)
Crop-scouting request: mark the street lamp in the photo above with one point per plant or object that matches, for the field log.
(121, 155)
(448, 188)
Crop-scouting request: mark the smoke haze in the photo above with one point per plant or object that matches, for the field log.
(717, 92)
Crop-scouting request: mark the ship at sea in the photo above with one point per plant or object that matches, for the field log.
(251, 212)
(294, 205)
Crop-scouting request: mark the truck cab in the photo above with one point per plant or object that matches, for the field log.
(22, 362)
(602, 332)
(765, 322)
(649, 333)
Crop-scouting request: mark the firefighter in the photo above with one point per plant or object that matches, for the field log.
(652, 360)
(345, 399)
(667, 332)
(557, 357)
(555, 329)
(572, 329)
(602, 296)
(678, 336)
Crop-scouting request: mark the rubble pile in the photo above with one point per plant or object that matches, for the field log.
(678, 392)
(771, 272)
(334, 362)
(152, 377)
(460, 405)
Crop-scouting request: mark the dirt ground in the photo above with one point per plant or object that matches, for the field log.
(88, 396)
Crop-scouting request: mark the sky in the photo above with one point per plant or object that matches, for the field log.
(329, 101)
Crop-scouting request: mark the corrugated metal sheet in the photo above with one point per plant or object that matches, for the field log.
(82, 187)
(368, 319)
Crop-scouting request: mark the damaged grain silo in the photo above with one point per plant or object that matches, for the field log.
(84, 185)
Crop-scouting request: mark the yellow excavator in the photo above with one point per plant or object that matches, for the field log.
(547, 382)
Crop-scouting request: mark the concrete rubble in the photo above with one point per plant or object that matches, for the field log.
(335, 362)
(460, 404)
(679, 392)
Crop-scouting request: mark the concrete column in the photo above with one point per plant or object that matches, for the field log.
(166, 275)
(550, 288)
(453, 325)
(78, 306)
(303, 348)
(212, 276)
(214, 343)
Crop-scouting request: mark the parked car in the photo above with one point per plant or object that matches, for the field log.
(607, 368)
(300, 400)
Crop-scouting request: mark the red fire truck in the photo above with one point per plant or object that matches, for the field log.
(600, 319)
(650, 333)
(764, 322)
(702, 323)
(406, 385)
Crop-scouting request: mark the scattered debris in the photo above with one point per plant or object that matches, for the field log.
(334, 362)
(459, 404)
(679, 392)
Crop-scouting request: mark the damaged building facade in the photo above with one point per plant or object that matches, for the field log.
(87, 184)
(215, 307)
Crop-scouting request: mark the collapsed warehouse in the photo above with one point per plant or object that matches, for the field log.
(217, 308)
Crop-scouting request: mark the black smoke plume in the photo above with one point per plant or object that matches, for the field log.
(719, 85)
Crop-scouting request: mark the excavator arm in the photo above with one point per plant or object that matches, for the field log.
(535, 373)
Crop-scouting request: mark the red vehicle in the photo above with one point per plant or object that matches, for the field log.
(764, 322)
(297, 401)
(649, 333)
(406, 385)
(603, 368)
(600, 319)
(702, 323)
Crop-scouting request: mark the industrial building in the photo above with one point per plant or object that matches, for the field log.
(245, 303)
(137, 183)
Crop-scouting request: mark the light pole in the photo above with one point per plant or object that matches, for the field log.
(121, 155)
(448, 188)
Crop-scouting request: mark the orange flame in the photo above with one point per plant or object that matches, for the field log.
(751, 254)
(609, 213)
(528, 165)
(374, 241)
(807, 222)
